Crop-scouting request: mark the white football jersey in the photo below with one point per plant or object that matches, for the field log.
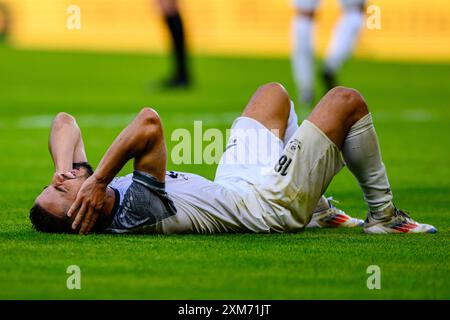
(202, 206)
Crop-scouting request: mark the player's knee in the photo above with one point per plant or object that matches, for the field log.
(274, 87)
(350, 101)
(276, 90)
(279, 101)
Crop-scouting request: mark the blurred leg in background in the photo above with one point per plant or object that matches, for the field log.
(341, 45)
(303, 49)
(4, 22)
(343, 41)
(180, 76)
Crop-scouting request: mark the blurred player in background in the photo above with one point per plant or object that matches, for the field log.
(340, 47)
(4, 22)
(172, 17)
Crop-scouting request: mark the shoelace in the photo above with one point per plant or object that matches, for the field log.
(402, 215)
(331, 206)
(330, 200)
(337, 211)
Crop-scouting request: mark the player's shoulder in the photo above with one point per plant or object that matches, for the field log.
(121, 180)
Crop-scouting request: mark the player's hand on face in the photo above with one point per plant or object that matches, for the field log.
(87, 205)
(60, 177)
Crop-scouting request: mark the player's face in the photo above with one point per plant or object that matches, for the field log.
(57, 197)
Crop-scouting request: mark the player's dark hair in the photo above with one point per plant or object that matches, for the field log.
(44, 221)
(86, 165)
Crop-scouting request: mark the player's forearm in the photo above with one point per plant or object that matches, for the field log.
(64, 137)
(131, 143)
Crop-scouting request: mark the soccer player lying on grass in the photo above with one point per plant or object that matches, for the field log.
(280, 196)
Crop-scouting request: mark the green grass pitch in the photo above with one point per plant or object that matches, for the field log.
(410, 105)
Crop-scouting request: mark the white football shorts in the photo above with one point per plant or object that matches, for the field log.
(288, 178)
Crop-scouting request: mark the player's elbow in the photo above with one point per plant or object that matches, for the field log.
(64, 118)
(148, 116)
(149, 123)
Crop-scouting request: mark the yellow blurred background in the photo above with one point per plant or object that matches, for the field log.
(410, 29)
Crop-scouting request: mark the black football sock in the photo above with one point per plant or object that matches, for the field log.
(175, 24)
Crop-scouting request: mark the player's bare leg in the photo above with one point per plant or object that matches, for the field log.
(344, 117)
(271, 106)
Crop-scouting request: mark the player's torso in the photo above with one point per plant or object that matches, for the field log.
(212, 207)
(202, 206)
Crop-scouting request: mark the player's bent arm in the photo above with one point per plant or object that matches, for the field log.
(65, 143)
(137, 141)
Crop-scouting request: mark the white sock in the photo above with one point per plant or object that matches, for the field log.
(362, 156)
(344, 37)
(303, 55)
